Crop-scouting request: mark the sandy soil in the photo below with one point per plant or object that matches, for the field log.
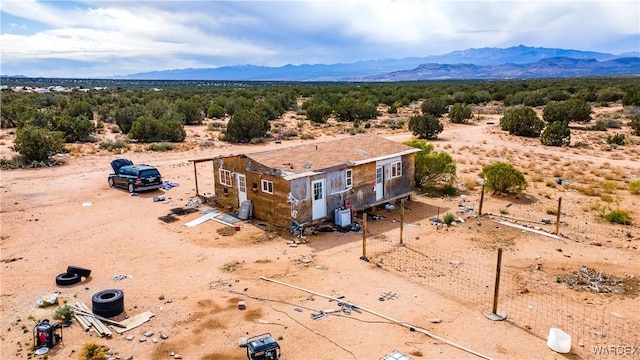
(192, 278)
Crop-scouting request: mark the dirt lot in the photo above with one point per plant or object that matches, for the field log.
(191, 278)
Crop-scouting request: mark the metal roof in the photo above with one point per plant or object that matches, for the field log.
(305, 159)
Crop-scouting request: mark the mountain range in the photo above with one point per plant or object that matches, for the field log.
(517, 62)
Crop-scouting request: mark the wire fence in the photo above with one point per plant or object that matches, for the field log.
(533, 300)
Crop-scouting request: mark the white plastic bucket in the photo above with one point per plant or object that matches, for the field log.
(559, 341)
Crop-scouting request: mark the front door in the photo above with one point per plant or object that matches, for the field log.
(379, 182)
(319, 205)
(242, 188)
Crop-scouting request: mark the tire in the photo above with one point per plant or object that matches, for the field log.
(111, 183)
(108, 303)
(131, 188)
(82, 272)
(67, 279)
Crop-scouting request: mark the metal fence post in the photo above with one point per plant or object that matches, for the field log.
(493, 313)
(364, 237)
(401, 221)
(481, 200)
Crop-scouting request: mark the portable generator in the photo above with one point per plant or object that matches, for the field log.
(46, 335)
(263, 347)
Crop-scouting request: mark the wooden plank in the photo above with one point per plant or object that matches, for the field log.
(135, 321)
(202, 219)
(100, 327)
(108, 321)
(83, 323)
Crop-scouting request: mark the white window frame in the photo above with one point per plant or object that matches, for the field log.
(348, 178)
(224, 176)
(395, 168)
(267, 186)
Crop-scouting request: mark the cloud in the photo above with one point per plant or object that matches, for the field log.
(158, 35)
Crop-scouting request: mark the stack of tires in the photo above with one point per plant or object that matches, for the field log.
(73, 276)
(108, 303)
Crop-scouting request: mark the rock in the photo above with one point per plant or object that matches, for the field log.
(130, 337)
(618, 315)
(148, 333)
(143, 339)
(559, 250)
(435, 320)
(177, 356)
(161, 297)
(164, 336)
(130, 357)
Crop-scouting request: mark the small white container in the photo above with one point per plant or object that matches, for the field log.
(559, 341)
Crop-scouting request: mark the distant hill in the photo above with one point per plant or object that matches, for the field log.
(558, 67)
(494, 63)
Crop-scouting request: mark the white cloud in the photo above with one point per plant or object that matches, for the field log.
(273, 33)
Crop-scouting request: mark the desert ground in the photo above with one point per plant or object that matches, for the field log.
(192, 278)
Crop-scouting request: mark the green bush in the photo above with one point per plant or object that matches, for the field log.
(634, 187)
(448, 218)
(449, 189)
(62, 313)
(556, 134)
(108, 145)
(161, 146)
(503, 177)
(216, 125)
(38, 144)
(617, 139)
(619, 216)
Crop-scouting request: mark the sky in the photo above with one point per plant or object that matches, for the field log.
(102, 38)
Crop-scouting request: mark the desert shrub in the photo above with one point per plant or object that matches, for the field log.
(161, 146)
(116, 145)
(600, 125)
(609, 185)
(258, 140)
(215, 111)
(425, 126)
(37, 144)
(448, 218)
(307, 136)
(92, 351)
(62, 313)
(634, 187)
(613, 123)
(289, 133)
(460, 113)
(246, 125)
(74, 128)
(8, 164)
(522, 121)
(581, 144)
(449, 189)
(215, 125)
(431, 166)
(503, 177)
(149, 129)
(556, 134)
(619, 216)
(551, 210)
(617, 139)
(635, 124)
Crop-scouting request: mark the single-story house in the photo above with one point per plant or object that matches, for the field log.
(307, 183)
